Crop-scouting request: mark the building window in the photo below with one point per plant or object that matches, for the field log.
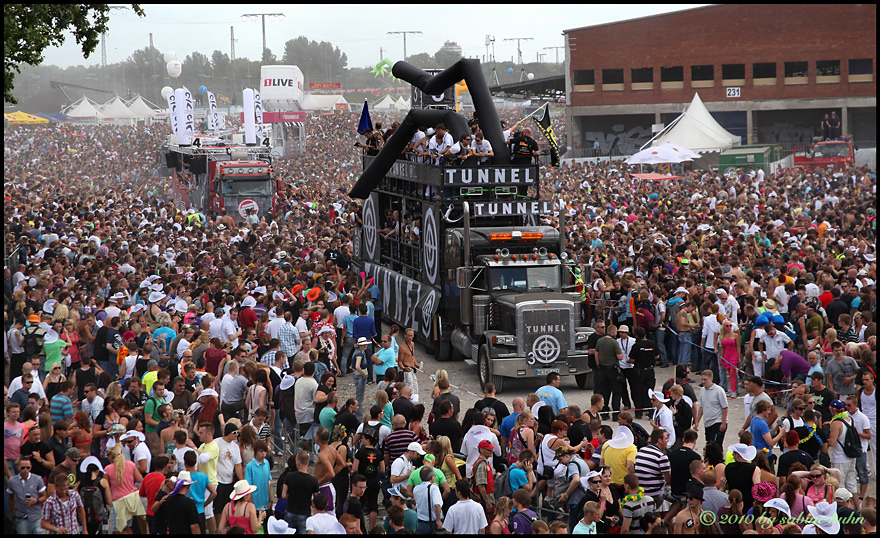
(733, 75)
(642, 78)
(764, 74)
(612, 80)
(827, 71)
(672, 78)
(796, 73)
(861, 70)
(583, 80)
(702, 76)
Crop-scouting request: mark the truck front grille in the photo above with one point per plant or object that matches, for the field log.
(546, 335)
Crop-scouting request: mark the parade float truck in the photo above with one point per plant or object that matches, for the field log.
(469, 268)
(222, 176)
(836, 154)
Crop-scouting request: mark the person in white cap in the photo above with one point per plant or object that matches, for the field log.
(662, 417)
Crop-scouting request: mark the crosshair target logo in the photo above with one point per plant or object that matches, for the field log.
(546, 349)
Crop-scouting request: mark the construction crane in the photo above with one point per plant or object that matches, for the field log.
(61, 85)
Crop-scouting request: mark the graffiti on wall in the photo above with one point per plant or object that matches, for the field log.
(619, 141)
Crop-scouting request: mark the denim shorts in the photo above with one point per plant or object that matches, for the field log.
(862, 468)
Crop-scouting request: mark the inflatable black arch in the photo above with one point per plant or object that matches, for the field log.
(490, 124)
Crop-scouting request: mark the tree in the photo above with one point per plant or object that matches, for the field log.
(318, 61)
(220, 62)
(28, 29)
(423, 60)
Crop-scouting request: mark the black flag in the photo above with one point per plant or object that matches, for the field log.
(543, 120)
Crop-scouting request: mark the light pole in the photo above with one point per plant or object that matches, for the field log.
(404, 39)
(263, 16)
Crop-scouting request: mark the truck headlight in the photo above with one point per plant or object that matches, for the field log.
(504, 340)
(581, 337)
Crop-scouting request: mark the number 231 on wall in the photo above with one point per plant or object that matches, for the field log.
(733, 92)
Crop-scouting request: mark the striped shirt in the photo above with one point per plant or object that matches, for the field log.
(397, 441)
(61, 408)
(651, 463)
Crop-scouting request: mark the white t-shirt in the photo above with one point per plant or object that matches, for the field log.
(142, 452)
(324, 524)
(384, 431)
(626, 345)
(179, 453)
(230, 454)
(465, 517)
(401, 466)
(862, 424)
(485, 147)
(470, 445)
(424, 507)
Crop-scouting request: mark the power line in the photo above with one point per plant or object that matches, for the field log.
(557, 51)
(404, 39)
(263, 17)
(518, 50)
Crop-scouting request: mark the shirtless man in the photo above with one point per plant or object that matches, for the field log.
(687, 521)
(406, 359)
(328, 464)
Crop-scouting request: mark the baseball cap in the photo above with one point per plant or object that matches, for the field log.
(484, 444)
(842, 495)
(416, 447)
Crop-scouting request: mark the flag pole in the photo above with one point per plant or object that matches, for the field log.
(530, 115)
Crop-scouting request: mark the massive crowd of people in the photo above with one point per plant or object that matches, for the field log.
(160, 363)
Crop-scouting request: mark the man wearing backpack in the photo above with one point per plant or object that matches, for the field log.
(845, 447)
(862, 426)
(32, 338)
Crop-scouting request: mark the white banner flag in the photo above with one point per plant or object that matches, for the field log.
(250, 130)
(189, 108)
(213, 116)
(172, 112)
(258, 113)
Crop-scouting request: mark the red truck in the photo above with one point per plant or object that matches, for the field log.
(837, 154)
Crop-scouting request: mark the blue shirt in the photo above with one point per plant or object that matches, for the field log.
(758, 428)
(198, 490)
(376, 293)
(552, 396)
(507, 424)
(386, 355)
(348, 321)
(518, 477)
(363, 327)
(257, 474)
(166, 334)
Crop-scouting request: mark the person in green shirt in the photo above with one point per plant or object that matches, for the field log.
(54, 345)
(439, 477)
(327, 417)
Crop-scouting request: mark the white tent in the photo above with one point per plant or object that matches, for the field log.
(140, 108)
(697, 130)
(386, 104)
(323, 102)
(84, 110)
(403, 104)
(116, 111)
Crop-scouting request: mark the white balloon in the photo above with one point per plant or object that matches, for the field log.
(174, 68)
(170, 56)
(530, 76)
(165, 91)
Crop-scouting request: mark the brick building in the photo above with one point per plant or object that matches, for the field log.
(768, 73)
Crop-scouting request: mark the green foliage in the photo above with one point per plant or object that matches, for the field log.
(319, 62)
(28, 29)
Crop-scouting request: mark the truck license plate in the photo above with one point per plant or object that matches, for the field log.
(545, 371)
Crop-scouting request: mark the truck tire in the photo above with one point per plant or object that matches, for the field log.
(445, 351)
(484, 371)
(583, 380)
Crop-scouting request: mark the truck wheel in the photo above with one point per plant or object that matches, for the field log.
(483, 365)
(445, 351)
(485, 375)
(581, 380)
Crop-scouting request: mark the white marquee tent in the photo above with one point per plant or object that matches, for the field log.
(387, 104)
(84, 110)
(403, 104)
(323, 102)
(116, 111)
(140, 108)
(697, 130)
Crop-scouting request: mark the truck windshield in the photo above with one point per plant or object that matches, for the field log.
(524, 278)
(246, 188)
(831, 150)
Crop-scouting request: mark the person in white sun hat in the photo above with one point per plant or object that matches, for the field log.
(240, 511)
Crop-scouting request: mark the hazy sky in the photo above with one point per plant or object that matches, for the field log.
(358, 30)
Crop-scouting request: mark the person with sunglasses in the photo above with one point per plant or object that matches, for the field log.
(26, 493)
(688, 520)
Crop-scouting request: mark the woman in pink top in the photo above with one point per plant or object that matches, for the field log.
(122, 476)
(796, 501)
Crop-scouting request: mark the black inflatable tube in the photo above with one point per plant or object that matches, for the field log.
(490, 124)
(369, 180)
